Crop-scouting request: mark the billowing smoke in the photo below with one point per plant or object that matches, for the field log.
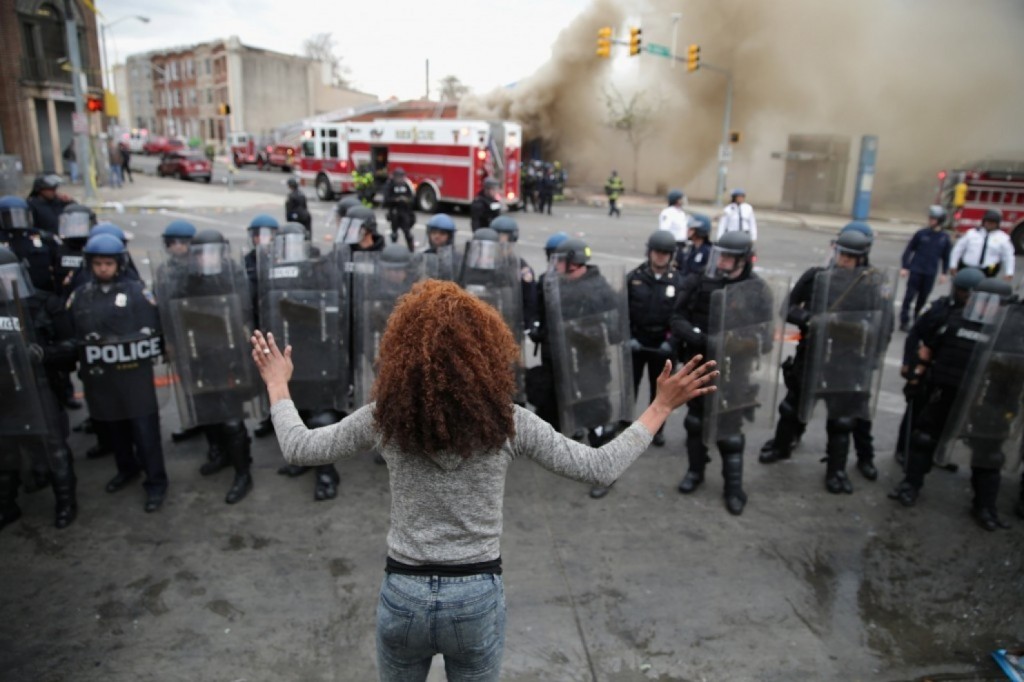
(939, 81)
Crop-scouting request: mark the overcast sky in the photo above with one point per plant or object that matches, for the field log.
(486, 43)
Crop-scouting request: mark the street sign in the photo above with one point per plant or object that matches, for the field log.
(659, 50)
(725, 152)
(78, 123)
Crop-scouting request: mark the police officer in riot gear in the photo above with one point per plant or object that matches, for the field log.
(128, 270)
(690, 326)
(847, 289)
(208, 321)
(306, 308)
(295, 208)
(340, 211)
(75, 223)
(926, 325)
(37, 344)
(46, 203)
(486, 205)
(972, 397)
(262, 229)
(34, 245)
(118, 331)
(508, 231)
(440, 232)
(398, 200)
(652, 289)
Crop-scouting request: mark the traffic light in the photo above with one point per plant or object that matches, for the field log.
(635, 44)
(94, 103)
(604, 42)
(693, 57)
(223, 109)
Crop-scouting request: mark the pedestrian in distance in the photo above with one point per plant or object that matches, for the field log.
(443, 591)
(116, 165)
(296, 210)
(927, 251)
(987, 248)
(71, 156)
(613, 189)
(737, 215)
(673, 218)
(126, 159)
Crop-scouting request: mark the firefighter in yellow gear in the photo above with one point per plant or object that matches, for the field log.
(365, 184)
(614, 189)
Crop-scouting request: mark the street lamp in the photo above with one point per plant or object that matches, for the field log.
(107, 77)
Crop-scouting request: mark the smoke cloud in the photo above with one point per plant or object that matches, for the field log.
(939, 81)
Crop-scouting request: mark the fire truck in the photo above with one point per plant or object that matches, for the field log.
(967, 193)
(282, 156)
(244, 150)
(447, 160)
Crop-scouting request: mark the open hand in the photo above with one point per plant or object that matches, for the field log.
(275, 367)
(691, 381)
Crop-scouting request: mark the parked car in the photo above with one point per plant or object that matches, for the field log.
(190, 165)
(163, 145)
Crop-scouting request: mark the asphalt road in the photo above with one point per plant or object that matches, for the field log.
(645, 584)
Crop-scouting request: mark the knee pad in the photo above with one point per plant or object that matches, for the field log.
(733, 445)
(693, 424)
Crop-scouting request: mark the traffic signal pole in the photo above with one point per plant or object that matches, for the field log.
(725, 148)
(83, 150)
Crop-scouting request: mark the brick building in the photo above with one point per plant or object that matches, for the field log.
(179, 91)
(36, 96)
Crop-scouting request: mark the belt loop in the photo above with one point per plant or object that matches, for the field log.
(435, 584)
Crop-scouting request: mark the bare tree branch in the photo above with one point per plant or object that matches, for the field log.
(451, 89)
(634, 116)
(320, 48)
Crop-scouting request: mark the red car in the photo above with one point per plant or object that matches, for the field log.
(163, 145)
(185, 165)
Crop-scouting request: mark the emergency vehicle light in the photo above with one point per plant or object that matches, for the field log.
(307, 133)
(481, 155)
(511, 196)
(942, 175)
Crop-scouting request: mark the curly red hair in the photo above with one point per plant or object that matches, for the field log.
(446, 376)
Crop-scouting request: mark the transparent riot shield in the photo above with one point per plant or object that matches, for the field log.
(22, 414)
(440, 264)
(850, 328)
(745, 339)
(307, 308)
(588, 330)
(987, 418)
(376, 287)
(207, 322)
(490, 271)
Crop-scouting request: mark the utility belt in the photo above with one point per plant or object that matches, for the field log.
(989, 270)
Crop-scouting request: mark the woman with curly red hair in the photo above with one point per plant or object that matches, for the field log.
(444, 421)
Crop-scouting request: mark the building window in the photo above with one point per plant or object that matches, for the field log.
(173, 70)
(208, 72)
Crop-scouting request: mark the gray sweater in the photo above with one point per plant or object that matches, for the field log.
(446, 509)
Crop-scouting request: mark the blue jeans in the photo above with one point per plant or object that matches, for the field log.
(463, 619)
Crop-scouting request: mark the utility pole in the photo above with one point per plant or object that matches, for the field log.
(427, 91)
(83, 150)
(676, 16)
(725, 148)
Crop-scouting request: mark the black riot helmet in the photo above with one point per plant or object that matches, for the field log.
(738, 249)
(290, 245)
(395, 254)
(853, 243)
(293, 183)
(574, 251)
(208, 253)
(14, 275)
(75, 221)
(358, 220)
(343, 206)
(661, 240)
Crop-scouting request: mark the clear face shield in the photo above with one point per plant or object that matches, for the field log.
(74, 225)
(14, 219)
(481, 255)
(394, 275)
(982, 307)
(262, 236)
(724, 264)
(350, 231)
(291, 248)
(839, 257)
(15, 280)
(208, 259)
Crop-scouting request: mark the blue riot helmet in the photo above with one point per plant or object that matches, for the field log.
(699, 223)
(107, 245)
(110, 229)
(178, 235)
(861, 227)
(14, 277)
(262, 229)
(573, 251)
(14, 213)
(443, 225)
(968, 278)
(737, 192)
(75, 223)
(553, 242)
(507, 227)
(675, 197)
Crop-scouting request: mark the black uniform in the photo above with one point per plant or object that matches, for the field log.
(545, 192)
(297, 211)
(46, 212)
(652, 298)
(48, 329)
(398, 200)
(483, 210)
(118, 330)
(38, 249)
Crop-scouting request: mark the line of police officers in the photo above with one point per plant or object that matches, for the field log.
(597, 330)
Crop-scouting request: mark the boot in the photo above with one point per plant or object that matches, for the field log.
(236, 443)
(985, 483)
(327, 480)
(696, 452)
(9, 510)
(240, 487)
(64, 492)
(691, 481)
(837, 449)
(864, 444)
(988, 519)
(905, 493)
(599, 491)
(216, 460)
(185, 434)
(867, 469)
(732, 472)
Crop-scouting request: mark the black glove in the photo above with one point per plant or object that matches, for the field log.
(36, 353)
(537, 334)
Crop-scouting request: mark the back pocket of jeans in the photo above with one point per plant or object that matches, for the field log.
(393, 624)
(478, 632)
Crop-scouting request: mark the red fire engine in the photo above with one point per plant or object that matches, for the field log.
(244, 150)
(967, 193)
(447, 160)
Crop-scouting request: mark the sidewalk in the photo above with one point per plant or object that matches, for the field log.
(152, 193)
(896, 226)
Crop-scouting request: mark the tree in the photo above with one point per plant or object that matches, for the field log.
(634, 116)
(452, 89)
(321, 48)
